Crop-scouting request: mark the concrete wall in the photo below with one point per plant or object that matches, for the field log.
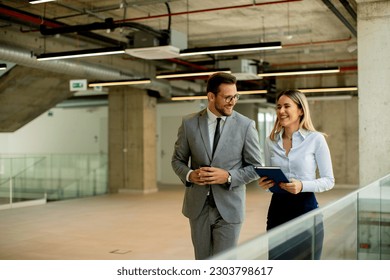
(374, 88)
(339, 120)
(74, 130)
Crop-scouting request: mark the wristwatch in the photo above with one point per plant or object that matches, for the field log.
(229, 180)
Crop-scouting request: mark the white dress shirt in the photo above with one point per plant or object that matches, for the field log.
(212, 124)
(309, 151)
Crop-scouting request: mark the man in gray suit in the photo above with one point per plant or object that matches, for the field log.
(214, 200)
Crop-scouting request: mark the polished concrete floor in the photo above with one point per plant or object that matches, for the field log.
(118, 226)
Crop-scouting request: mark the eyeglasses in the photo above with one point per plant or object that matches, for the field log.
(229, 99)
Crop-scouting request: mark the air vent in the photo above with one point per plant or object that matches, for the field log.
(243, 69)
(161, 52)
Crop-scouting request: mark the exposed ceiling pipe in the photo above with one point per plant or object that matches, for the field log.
(348, 68)
(95, 11)
(25, 58)
(340, 17)
(108, 24)
(349, 9)
(14, 15)
(318, 42)
(209, 10)
(119, 6)
(82, 11)
(76, 69)
(315, 62)
(187, 64)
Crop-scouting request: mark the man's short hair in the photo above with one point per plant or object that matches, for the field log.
(216, 79)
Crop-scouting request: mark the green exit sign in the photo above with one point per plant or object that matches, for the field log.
(76, 85)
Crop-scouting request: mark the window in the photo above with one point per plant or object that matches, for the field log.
(266, 118)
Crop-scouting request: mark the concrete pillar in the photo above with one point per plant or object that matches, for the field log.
(339, 120)
(132, 141)
(374, 89)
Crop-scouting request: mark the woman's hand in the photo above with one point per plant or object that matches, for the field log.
(293, 187)
(265, 184)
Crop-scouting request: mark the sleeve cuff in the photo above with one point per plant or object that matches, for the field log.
(188, 182)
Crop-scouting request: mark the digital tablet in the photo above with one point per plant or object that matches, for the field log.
(274, 173)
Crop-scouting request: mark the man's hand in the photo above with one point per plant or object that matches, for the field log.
(209, 176)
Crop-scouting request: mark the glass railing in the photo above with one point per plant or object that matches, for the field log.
(13, 170)
(73, 176)
(51, 177)
(374, 221)
(355, 227)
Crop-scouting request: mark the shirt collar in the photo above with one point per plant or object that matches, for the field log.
(212, 117)
(301, 133)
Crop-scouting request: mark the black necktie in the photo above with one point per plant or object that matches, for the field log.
(216, 135)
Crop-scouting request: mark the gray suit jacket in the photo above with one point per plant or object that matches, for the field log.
(237, 152)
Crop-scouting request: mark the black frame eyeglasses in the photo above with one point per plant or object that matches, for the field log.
(229, 99)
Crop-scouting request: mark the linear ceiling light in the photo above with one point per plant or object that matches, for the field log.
(329, 98)
(189, 74)
(80, 53)
(189, 97)
(197, 97)
(232, 48)
(3, 66)
(338, 89)
(40, 1)
(120, 83)
(299, 72)
(260, 91)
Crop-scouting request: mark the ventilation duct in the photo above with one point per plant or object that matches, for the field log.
(145, 43)
(84, 70)
(147, 46)
(9, 66)
(242, 69)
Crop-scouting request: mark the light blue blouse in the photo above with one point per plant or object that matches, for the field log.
(309, 151)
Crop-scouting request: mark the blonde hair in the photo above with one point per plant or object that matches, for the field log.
(300, 99)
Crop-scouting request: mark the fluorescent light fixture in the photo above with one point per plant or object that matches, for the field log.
(300, 72)
(120, 83)
(40, 1)
(193, 97)
(197, 97)
(337, 89)
(3, 66)
(329, 98)
(189, 74)
(260, 91)
(232, 48)
(80, 53)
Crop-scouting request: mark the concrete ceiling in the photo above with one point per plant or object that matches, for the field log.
(313, 33)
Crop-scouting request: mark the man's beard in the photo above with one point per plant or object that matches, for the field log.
(222, 110)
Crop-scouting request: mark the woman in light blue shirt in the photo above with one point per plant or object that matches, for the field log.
(302, 153)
